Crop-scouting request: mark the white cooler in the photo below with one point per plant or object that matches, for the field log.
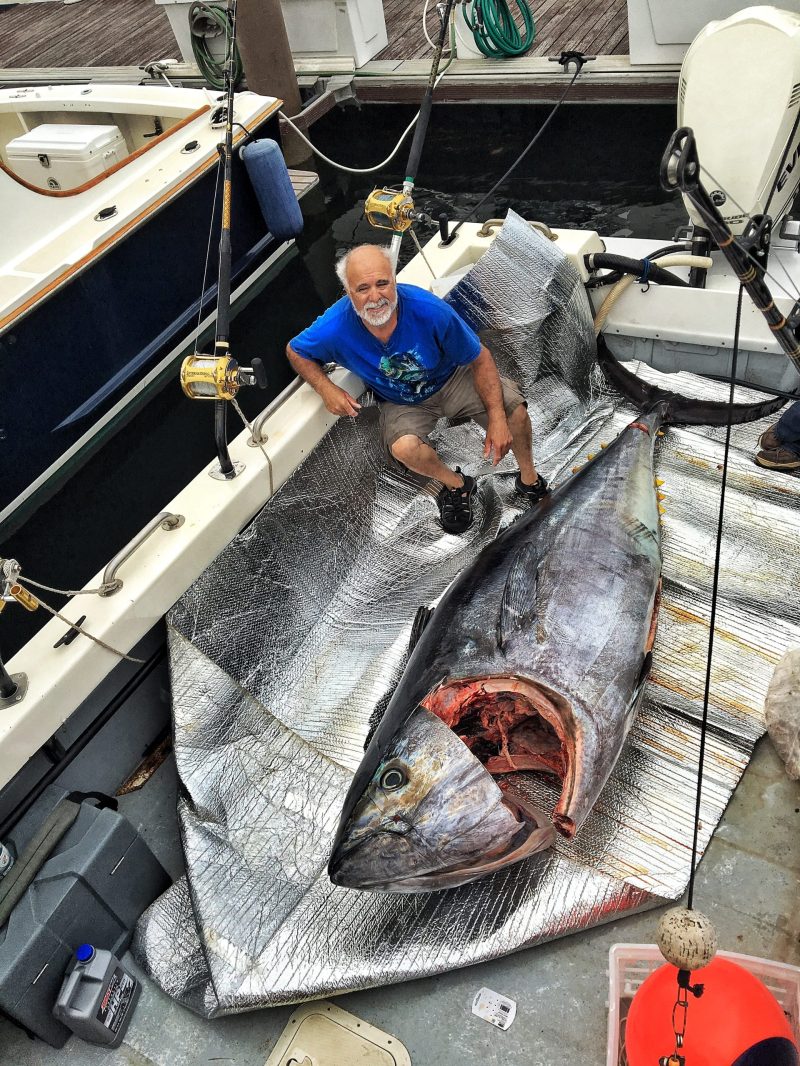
(62, 156)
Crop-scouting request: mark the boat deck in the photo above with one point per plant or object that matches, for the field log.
(115, 39)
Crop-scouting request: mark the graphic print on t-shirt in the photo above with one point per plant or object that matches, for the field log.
(406, 369)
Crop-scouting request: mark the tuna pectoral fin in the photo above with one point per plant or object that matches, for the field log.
(518, 606)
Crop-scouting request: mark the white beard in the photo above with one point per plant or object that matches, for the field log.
(378, 314)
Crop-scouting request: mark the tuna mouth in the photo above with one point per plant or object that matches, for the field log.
(511, 724)
(536, 833)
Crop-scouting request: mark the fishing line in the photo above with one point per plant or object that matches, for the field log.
(208, 255)
(759, 266)
(520, 157)
(713, 614)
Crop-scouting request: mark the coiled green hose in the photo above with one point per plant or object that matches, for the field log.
(494, 29)
(213, 69)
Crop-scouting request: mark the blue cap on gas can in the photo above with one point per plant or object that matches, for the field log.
(84, 953)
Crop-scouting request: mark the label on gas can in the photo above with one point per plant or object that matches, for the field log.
(117, 1000)
(6, 860)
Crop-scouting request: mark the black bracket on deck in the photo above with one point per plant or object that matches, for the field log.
(578, 58)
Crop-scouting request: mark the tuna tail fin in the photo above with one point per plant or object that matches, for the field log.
(680, 410)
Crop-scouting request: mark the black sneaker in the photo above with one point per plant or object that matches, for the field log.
(455, 505)
(532, 493)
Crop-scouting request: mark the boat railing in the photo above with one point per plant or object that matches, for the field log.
(165, 520)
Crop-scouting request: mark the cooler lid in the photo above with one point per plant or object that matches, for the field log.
(62, 140)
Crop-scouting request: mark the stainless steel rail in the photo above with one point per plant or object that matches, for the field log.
(111, 583)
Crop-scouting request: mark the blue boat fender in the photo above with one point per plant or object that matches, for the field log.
(270, 179)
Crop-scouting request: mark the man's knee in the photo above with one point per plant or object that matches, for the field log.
(405, 447)
(519, 417)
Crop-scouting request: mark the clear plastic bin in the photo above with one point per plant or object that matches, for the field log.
(629, 965)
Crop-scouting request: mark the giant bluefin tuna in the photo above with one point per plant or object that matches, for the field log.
(534, 659)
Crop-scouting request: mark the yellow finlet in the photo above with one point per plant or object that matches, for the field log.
(590, 456)
(661, 496)
(659, 481)
(575, 469)
(662, 510)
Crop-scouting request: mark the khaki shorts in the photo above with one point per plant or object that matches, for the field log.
(458, 398)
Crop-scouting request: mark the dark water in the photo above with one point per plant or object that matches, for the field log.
(595, 167)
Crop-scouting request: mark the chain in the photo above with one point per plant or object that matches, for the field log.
(680, 1012)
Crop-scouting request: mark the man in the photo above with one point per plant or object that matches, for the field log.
(780, 444)
(423, 363)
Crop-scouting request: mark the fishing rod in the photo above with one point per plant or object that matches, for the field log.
(218, 377)
(388, 208)
(680, 170)
(687, 938)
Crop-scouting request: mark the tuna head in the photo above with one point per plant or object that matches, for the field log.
(432, 817)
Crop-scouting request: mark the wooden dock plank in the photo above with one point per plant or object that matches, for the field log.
(561, 25)
(112, 33)
(577, 25)
(107, 35)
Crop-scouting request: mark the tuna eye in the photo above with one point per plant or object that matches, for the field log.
(392, 779)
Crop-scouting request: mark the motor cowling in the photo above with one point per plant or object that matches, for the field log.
(739, 91)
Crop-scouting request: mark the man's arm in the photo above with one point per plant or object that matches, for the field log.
(336, 399)
(488, 386)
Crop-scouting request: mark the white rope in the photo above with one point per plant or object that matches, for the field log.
(64, 592)
(241, 414)
(421, 251)
(364, 170)
(82, 631)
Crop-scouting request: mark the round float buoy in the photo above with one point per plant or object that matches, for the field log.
(686, 938)
(735, 1022)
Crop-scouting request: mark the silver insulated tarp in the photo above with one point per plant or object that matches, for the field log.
(286, 645)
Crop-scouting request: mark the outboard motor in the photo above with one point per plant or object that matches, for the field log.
(739, 91)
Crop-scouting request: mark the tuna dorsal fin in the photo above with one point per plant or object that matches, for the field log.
(518, 605)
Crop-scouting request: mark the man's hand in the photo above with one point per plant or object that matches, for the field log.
(338, 401)
(498, 439)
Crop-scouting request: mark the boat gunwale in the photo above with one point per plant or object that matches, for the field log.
(48, 287)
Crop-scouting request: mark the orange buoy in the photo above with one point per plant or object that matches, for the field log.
(735, 1022)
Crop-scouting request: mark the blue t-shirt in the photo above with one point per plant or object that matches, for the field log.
(428, 343)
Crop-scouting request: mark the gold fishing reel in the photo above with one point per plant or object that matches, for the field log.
(218, 377)
(389, 209)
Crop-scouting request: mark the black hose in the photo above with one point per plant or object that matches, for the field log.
(617, 275)
(643, 269)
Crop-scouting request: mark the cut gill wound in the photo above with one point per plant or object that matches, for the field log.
(507, 723)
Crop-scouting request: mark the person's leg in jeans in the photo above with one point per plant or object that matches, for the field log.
(788, 427)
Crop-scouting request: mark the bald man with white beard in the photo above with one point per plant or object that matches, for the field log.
(423, 362)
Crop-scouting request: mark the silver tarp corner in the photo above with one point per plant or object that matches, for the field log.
(283, 648)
